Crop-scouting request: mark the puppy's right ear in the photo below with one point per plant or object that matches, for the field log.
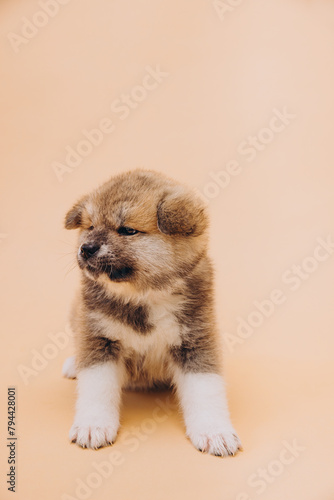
(73, 217)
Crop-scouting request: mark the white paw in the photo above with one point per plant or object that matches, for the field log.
(220, 442)
(95, 435)
(69, 369)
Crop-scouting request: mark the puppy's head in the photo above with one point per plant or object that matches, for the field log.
(140, 227)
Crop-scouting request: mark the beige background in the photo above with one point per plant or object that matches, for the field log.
(227, 73)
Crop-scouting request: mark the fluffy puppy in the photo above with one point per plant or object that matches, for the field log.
(144, 316)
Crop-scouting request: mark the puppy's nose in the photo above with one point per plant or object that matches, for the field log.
(89, 249)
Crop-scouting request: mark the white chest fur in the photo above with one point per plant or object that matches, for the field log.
(147, 353)
(165, 331)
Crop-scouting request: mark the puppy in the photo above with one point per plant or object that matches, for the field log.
(144, 317)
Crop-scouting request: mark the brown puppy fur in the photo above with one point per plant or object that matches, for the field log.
(145, 310)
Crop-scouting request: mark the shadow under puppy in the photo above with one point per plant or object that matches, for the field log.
(144, 316)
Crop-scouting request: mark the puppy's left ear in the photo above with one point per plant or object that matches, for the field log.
(73, 218)
(182, 213)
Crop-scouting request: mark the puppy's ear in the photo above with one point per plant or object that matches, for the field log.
(73, 218)
(182, 213)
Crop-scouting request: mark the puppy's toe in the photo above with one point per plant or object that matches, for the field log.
(224, 444)
(69, 369)
(221, 442)
(92, 436)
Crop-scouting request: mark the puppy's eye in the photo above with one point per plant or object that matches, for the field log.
(127, 231)
(90, 228)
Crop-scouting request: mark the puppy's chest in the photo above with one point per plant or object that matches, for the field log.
(150, 329)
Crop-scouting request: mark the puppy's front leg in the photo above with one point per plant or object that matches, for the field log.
(203, 400)
(97, 409)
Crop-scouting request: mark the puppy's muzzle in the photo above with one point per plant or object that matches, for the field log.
(87, 250)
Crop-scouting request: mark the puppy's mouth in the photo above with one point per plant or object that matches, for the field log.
(120, 274)
(114, 272)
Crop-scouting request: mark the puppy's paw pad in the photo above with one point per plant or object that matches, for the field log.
(91, 436)
(222, 443)
(69, 369)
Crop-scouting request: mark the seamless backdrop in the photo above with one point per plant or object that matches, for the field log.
(234, 98)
